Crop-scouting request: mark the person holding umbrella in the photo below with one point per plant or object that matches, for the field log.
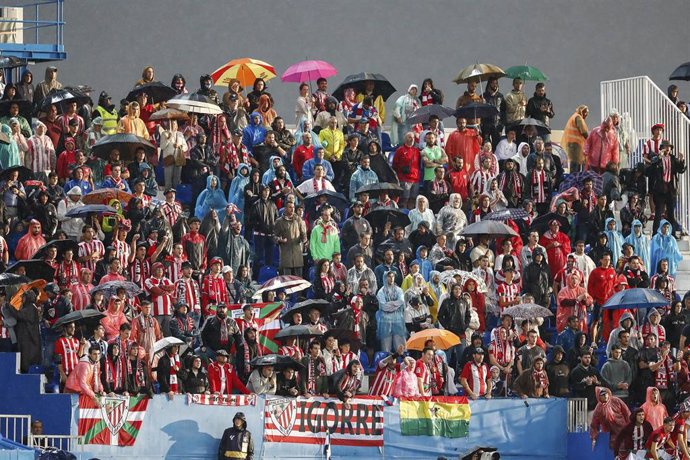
(262, 381)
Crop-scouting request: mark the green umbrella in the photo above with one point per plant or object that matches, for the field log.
(526, 72)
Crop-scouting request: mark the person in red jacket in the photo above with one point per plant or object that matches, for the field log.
(600, 286)
(557, 246)
(213, 288)
(222, 376)
(459, 178)
(406, 163)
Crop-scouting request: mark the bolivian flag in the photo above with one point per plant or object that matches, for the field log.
(447, 416)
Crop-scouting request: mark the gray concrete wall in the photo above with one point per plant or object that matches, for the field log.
(577, 43)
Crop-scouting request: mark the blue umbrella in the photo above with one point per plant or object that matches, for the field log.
(577, 180)
(506, 214)
(83, 211)
(636, 298)
(422, 114)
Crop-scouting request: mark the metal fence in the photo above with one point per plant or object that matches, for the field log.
(577, 415)
(647, 104)
(64, 442)
(15, 427)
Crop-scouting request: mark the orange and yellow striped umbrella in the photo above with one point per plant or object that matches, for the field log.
(246, 70)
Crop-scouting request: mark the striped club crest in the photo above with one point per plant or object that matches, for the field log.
(283, 414)
(115, 410)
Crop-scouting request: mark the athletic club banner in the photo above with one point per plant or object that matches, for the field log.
(115, 422)
(222, 400)
(307, 421)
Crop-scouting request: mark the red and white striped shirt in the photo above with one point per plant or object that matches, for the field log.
(174, 270)
(480, 181)
(171, 212)
(68, 349)
(423, 371)
(651, 147)
(81, 297)
(187, 289)
(145, 199)
(87, 248)
(42, 153)
(292, 351)
(122, 251)
(213, 292)
(162, 303)
(139, 271)
(503, 351)
(657, 330)
(509, 291)
(476, 376)
(383, 380)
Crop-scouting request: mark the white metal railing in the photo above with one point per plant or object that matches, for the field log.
(64, 442)
(15, 427)
(577, 415)
(647, 104)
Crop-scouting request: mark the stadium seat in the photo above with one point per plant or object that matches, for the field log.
(378, 356)
(266, 273)
(184, 194)
(36, 369)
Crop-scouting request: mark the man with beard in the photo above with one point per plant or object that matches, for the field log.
(232, 246)
(281, 186)
(252, 349)
(222, 376)
(290, 233)
(145, 329)
(263, 215)
(220, 332)
(512, 184)
(29, 244)
(493, 126)
(398, 243)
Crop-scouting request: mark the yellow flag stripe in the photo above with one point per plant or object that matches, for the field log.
(435, 410)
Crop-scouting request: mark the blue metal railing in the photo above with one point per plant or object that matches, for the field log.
(36, 45)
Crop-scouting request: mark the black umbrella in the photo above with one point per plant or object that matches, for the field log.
(24, 173)
(506, 214)
(11, 62)
(381, 85)
(60, 245)
(541, 127)
(24, 107)
(277, 361)
(156, 91)
(375, 189)
(335, 199)
(682, 72)
(378, 217)
(84, 211)
(422, 114)
(79, 316)
(298, 331)
(541, 223)
(9, 279)
(127, 144)
(63, 96)
(304, 307)
(34, 269)
(476, 110)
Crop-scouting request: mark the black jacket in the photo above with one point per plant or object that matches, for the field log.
(454, 315)
(536, 281)
(263, 215)
(534, 108)
(498, 101)
(210, 334)
(195, 383)
(655, 172)
(236, 440)
(582, 389)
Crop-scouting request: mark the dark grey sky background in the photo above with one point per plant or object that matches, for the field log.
(577, 43)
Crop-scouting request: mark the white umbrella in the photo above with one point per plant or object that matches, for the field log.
(166, 342)
(464, 276)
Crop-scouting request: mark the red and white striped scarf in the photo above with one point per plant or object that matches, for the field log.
(139, 271)
(219, 136)
(174, 369)
(480, 181)
(114, 373)
(503, 351)
(538, 186)
(349, 383)
(328, 283)
(315, 183)
(515, 179)
(439, 187)
(427, 99)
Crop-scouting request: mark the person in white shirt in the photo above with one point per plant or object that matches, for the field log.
(315, 184)
(520, 158)
(506, 148)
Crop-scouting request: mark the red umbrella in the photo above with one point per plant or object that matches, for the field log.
(308, 71)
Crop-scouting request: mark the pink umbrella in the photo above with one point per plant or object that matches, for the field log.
(308, 71)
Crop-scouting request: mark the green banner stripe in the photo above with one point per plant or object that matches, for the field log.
(434, 427)
(268, 309)
(94, 431)
(127, 427)
(268, 343)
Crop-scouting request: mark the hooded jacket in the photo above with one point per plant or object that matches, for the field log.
(537, 279)
(211, 198)
(86, 378)
(558, 372)
(236, 192)
(26, 90)
(48, 84)
(635, 337)
(454, 314)
(601, 147)
(665, 247)
(615, 240)
(360, 178)
(309, 166)
(640, 244)
(611, 416)
(655, 412)
(270, 173)
(255, 133)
